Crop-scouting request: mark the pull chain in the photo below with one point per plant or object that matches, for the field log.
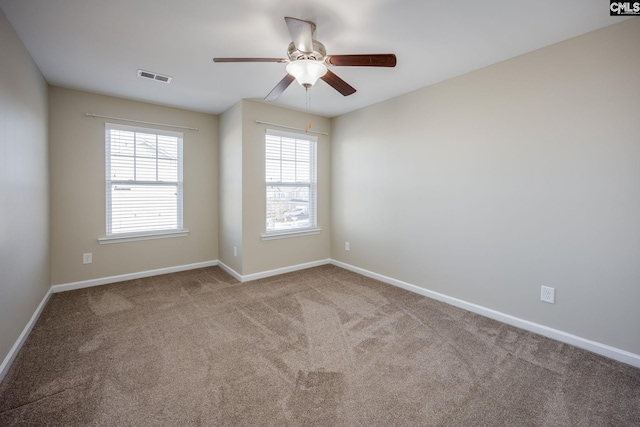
(308, 105)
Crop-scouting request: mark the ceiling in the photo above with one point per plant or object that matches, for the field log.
(98, 45)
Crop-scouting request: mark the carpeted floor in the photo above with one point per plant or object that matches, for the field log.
(322, 346)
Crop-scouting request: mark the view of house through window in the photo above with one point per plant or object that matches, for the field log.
(290, 165)
(143, 180)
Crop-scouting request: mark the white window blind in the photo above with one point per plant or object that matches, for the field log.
(143, 180)
(290, 166)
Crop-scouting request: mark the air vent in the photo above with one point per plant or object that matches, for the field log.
(154, 76)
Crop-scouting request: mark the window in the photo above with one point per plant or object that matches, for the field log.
(144, 181)
(290, 165)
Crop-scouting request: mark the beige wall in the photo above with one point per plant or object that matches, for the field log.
(258, 255)
(243, 192)
(230, 172)
(78, 189)
(489, 185)
(24, 188)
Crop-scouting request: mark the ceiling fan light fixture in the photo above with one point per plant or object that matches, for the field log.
(307, 61)
(307, 71)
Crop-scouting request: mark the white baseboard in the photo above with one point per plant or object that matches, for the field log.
(230, 270)
(8, 360)
(131, 276)
(586, 344)
(595, 347)
(269, 273)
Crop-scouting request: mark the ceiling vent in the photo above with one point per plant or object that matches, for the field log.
(154, 76)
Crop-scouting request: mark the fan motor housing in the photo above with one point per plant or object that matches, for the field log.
(318, 54)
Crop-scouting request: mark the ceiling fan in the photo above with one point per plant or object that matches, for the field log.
(308, 60)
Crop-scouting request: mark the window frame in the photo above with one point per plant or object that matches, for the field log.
(312, 185)
(178, 184)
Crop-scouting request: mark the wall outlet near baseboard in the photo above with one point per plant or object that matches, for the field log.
(347, 247)
(235, 251)
(548, 294)
(87, 258)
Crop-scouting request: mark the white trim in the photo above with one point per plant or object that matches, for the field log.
(586, 344)
(230, 271)
(123, 277)
(555, 334)
(274, 272)
(283, 270)
(8, 360)
(287, 234)
(132, 238)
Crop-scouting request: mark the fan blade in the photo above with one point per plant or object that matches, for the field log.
(249, 60)
(280, 87)
(380, 60)
(301, 33)
(338, 84)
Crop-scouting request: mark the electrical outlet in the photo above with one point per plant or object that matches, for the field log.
(548, 294)
(347, 247)
(87, 258)
(235, 251)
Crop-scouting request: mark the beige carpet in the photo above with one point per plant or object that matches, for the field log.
(322, 346)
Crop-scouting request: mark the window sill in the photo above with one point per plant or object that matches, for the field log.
(287, 234)
(136, 237)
